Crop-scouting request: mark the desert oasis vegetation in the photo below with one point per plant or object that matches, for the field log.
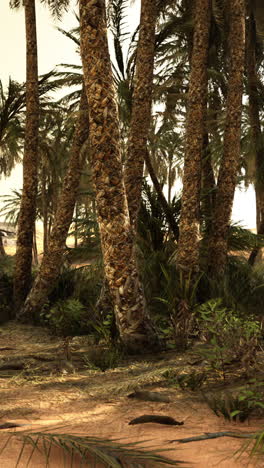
(131, 294)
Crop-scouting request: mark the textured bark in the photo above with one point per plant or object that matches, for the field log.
(120, 269)
(229, 164)
(22, 275)
(255, 125)
(166, 207)
(53, 257)
(188, 248)
(141, 108)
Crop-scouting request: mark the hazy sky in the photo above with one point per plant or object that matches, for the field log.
(53, 49)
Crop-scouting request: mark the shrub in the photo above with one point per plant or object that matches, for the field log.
(231, 337)
(103, 358)
(67, 318)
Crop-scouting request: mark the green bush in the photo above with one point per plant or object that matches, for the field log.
(231, 337)
(68, 318)
(240, 405)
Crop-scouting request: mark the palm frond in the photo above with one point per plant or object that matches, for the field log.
(89, 450)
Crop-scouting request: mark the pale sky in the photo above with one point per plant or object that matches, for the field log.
(53, 49)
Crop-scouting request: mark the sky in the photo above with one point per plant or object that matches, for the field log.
(53, 49)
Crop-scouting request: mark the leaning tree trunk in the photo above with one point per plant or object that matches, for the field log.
(255, 125)
(188, 248)
(161, 197)
(227, 178)
(53, 257)
(22, 275)
(116, 233)
(141, 108)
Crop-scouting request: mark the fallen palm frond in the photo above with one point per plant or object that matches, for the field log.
(130, 384)
(254, 447)
(89, 450)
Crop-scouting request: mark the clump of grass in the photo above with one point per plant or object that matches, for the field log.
(234, 407)
(99, 358)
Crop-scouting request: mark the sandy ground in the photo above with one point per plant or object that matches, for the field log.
(46, 396)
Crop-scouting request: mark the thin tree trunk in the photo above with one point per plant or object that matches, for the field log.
(208, 187)
(141, 108)
(35, 248)
(188, 248)
(22, 275)
(53, 258)
(76, 226)
(116, 233)
(166, 208)
(2, 249)
(255, 125)
(44, 208)
(229, 164)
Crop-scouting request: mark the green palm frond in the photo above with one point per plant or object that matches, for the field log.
(241, 239)
(89, 450)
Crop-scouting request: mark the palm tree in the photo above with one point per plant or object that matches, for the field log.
(116, 233)
(22, 275)
(53, 256)
(227, 178)
(255, 124)
(188, 248)
(12, 103)
(141, 108)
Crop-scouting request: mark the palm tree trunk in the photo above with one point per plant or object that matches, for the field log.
(141, 108)
(227, 178)
(53, 257)
(116, 233)
(255, 125)
(188, 248)
(22, 275)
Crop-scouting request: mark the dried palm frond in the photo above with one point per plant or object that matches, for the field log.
(108, 453)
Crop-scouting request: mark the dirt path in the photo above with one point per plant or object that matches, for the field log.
(47, 395)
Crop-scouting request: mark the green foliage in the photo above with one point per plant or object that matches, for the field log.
(103, 358)
(179, 299)
(83, 283)
(232, 407)
(231, 337)
(241, 239)
(240, 405)
(6, 288)
(67, 318)
(192, 381)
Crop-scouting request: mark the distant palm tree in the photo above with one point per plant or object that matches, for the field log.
(53, 256)
(26, 224)
(12, 103)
